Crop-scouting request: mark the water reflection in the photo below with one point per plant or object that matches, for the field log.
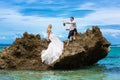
(87, 73)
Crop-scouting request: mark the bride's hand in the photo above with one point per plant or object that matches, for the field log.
(48, 40)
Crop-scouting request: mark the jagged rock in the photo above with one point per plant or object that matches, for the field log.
(24, 53)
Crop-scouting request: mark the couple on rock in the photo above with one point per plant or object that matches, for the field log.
(55, 47)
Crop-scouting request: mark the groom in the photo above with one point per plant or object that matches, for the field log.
(72, 30)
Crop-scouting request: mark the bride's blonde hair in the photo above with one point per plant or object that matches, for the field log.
(49, 28)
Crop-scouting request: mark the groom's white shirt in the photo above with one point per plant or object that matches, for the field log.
(72, 25)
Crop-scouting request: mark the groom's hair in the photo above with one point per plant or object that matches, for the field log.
(72, 17)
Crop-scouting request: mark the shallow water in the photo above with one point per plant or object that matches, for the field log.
(106, 69)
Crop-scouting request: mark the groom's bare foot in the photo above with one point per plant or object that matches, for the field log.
(74, 38)
(66, 45)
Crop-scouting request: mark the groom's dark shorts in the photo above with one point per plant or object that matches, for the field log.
(70, 34)
(75, 30)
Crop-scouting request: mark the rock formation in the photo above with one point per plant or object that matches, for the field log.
(24, 53)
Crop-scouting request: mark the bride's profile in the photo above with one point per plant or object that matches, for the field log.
(54, 50)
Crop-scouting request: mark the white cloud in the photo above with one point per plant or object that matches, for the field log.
(32, 24)
(87, 5)
(30, 1)
(102, 17)
(24, 1)
(36, 24)
(47, 1)
(14, 17)
(52, 2)
(112, 32)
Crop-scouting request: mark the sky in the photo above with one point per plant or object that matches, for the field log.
(33, 16)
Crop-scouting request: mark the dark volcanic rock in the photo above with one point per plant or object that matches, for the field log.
(24, 53)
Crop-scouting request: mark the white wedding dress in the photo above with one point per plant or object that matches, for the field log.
(54, 50)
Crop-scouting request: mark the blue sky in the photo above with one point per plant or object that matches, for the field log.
(33, 16)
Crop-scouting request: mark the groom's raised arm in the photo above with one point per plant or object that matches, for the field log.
(70, 22)
(67, 22)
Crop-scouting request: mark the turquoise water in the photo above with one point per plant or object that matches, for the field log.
(1, 47)
(106, 69)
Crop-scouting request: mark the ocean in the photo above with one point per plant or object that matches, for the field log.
(106, 69)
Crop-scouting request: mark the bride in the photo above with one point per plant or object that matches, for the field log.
(54, 50)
